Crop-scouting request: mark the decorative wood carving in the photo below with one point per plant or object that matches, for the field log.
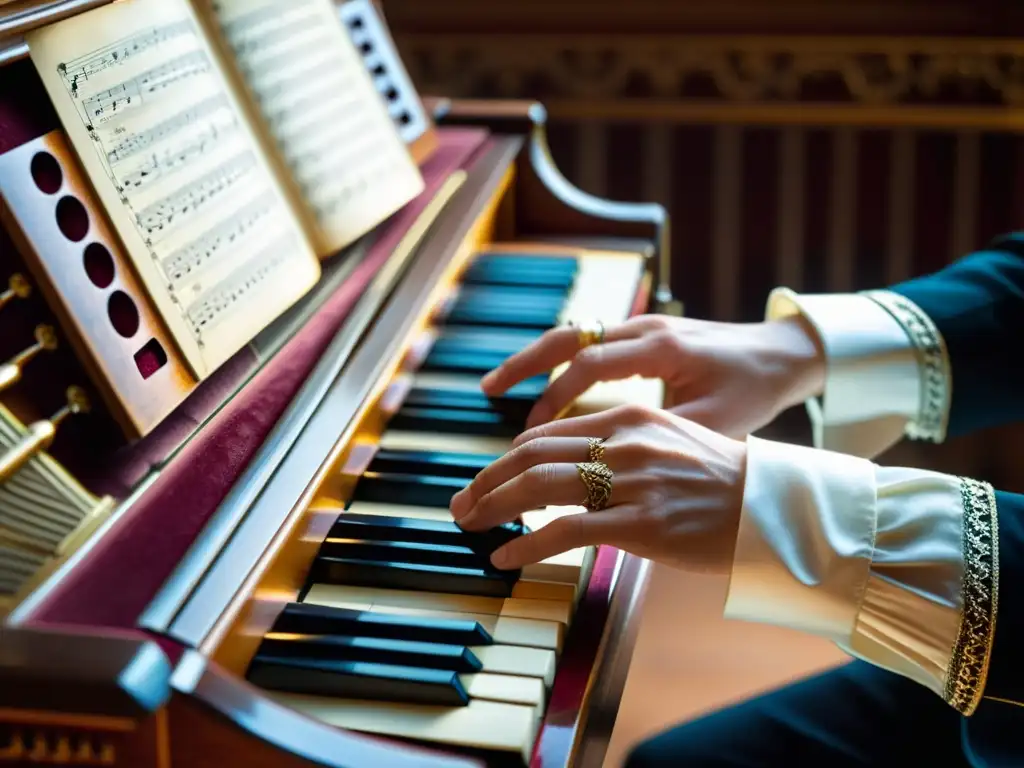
(912, 72)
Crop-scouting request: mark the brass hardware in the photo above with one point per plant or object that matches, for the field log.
(37, 748)
(10, 372)
(17, 288)
(40, 434)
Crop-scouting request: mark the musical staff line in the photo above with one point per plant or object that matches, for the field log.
(206, 312)
(139, 142)
(184, 261)
(84, 67)
(258, 71)
(268, 12)
(243, 43)
(105, 104)
(163, 213)
(158, 166)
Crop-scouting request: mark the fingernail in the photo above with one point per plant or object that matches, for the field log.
(459, 504)
(488, 380)
(499, 558)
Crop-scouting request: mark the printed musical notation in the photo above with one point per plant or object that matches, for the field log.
(183, 262)
(106, 104)
(140, 142)
(180, 172)
(213, 306)
(321, 107)
(84, 67)
(164, 213)
(155, 166)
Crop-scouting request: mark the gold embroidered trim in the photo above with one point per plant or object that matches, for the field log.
(968, 666)
(933, 360)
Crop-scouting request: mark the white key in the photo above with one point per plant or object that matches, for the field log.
(399, 440)
(487, 725)
(605, 287)
(517, 660)
(361, 598)
(506, 688)
(458, 382)
(504, 630)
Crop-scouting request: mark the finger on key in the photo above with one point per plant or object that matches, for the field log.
(539, 486)
(612, 361)
(549, 450)
(562, 535)
(555, 347)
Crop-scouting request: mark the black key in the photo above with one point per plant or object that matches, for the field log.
(551, 262)
(513, 406)
(351, 525)
(372, 650)
(459, 421)
(482, 313)
(414, 490)
(475, 361)
(413, 576)
(483, 337)
(512, 297)
(412, 552)
(521, 269)
(531, 388)
(312, 619)
(435, 463)
(510, 274)
(513, 277)
(358, 680)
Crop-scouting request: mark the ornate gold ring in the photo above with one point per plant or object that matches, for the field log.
(589, 333)
(596, 450)
(597, 477)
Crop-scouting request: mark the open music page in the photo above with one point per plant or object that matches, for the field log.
(343, 156)
(180, 173)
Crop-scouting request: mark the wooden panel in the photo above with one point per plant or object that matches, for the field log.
(78, 263)
(954, 17)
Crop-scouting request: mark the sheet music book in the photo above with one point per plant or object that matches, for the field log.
(233, 143)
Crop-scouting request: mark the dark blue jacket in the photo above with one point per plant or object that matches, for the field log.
(977, 304)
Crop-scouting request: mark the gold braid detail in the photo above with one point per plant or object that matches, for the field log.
(968, 666)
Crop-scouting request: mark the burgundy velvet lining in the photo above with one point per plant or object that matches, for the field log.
(123, 573)
(555, 741)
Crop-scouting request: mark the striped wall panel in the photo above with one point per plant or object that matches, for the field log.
(818, 209)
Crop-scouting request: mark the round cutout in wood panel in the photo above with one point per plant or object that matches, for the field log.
(99, 264)
(72, 218)
(123, 314)
(46, 172)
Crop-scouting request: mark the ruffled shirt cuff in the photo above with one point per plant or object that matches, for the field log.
(889, 563)
(887, 370)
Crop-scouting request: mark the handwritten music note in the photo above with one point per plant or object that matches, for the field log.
(178, 168)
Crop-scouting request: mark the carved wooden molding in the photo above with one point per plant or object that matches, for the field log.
(862, 71)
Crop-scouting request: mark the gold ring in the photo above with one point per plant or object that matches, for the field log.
(596, 450)
(597, 477)
(589, 333)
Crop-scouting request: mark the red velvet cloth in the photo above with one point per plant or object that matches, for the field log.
(126, 569)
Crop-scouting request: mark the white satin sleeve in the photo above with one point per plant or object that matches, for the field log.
(887, 371)
(872, 558)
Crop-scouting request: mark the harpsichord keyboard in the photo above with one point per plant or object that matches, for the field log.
(404, 628)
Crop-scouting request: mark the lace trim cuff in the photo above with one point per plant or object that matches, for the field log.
(933, 359)
(968, 666)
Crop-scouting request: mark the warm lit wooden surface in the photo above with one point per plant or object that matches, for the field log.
(689, 660)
